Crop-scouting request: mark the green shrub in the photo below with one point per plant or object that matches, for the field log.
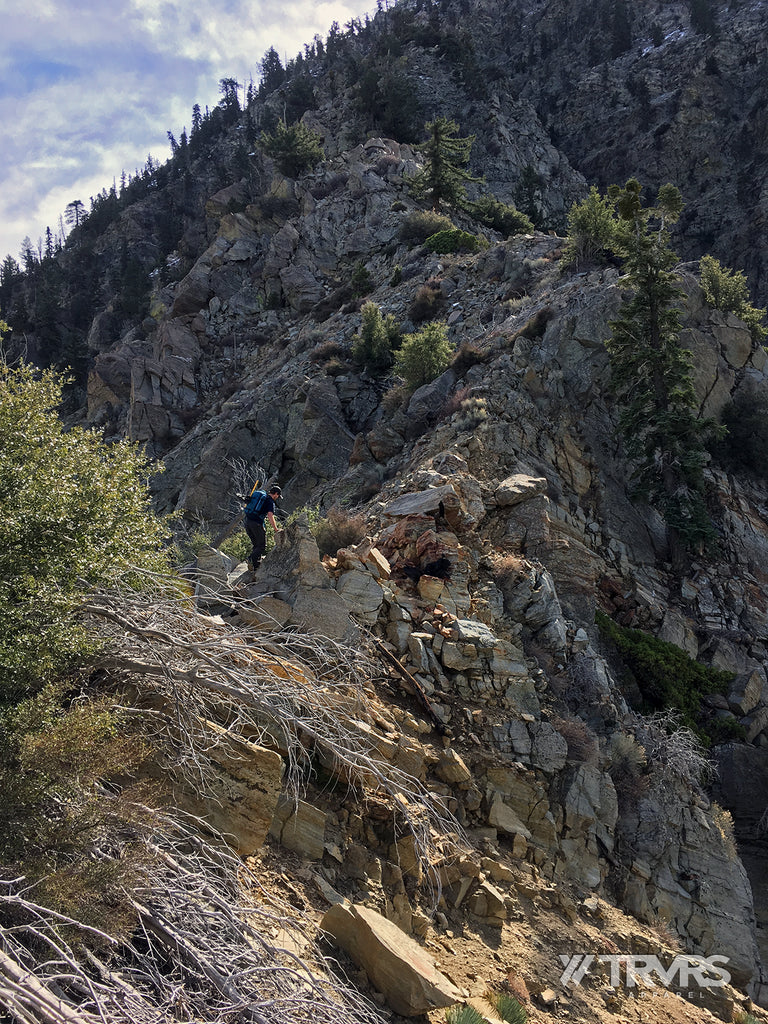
(379, 335)
(55, 752)
(502, 217)
(454, 240)
(75, 513)
(418, 226)
(361, 281)
(294, 148)
(238, 546)
(592, 228)
(668, 679)
(424, 355)
(727, 290)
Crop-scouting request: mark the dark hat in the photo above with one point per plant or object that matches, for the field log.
(274, 489)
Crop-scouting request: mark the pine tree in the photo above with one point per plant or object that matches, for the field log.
(444, 176)
(651, 373)
(272, 72)
(621, 30)
(294, 148)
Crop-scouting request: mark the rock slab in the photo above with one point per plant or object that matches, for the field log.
(396, 965)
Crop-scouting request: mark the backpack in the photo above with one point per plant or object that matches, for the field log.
(256, 503)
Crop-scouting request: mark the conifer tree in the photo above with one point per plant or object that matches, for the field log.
(424, 355)
(651, 372)
(444, 176)
(295, 148)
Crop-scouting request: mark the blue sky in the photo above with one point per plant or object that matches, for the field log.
(90, 87)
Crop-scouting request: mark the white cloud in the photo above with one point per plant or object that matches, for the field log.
(88, 89)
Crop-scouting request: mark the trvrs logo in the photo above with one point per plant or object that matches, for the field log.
(690, 971)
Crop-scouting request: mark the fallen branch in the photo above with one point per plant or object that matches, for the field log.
(418, 689)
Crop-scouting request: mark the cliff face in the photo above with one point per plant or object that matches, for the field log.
(662, 92)
(509, 466)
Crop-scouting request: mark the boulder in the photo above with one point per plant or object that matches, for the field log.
(293, 574)
(361, 593)
(396, 964)
(443, 500)
(503, 818)
(429, 400)
(519, 487)
(193, 291)
(746, 692)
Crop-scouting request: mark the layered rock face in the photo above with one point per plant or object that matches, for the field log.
(546, 765)
(500, 521)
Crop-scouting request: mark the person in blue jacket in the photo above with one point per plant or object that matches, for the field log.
(260, 506)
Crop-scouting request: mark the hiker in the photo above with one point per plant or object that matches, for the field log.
(261, 506)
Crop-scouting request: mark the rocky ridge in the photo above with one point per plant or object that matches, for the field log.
(522, 488)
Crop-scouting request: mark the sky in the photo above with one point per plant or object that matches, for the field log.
(89, 88)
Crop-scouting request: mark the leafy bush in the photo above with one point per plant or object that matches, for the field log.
(294, 148)
(592, 228)
(238, 546)
(418, 226)
(454, 240)
(727, 290)
(74, 513)
(54, 751)
(379, 336)
(667, 677)
(502, 217)
(424, 355)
